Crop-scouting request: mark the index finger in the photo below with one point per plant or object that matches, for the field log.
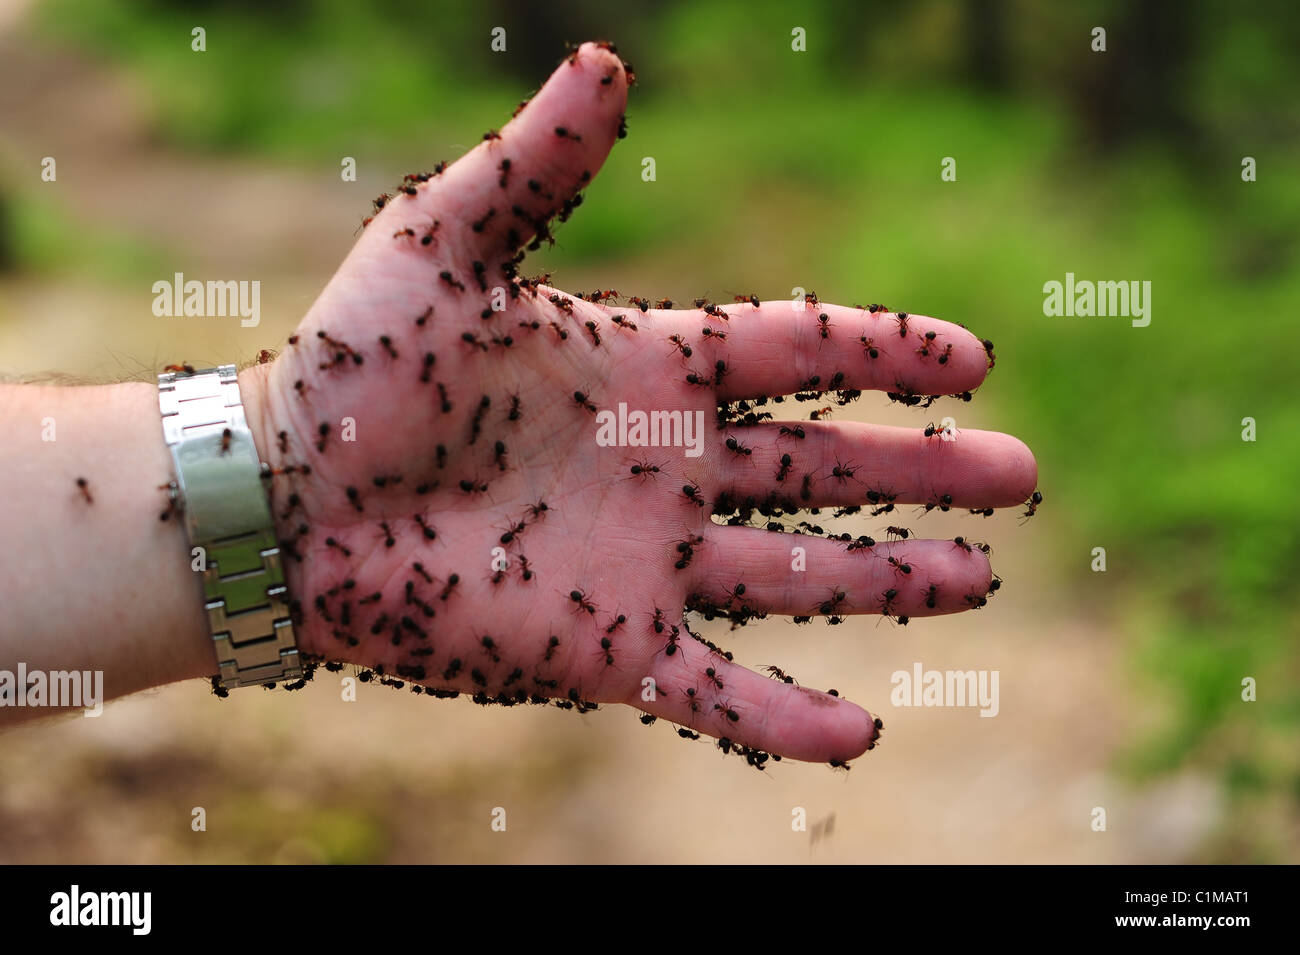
(782, 347)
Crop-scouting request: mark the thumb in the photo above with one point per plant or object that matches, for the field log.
(505, 192)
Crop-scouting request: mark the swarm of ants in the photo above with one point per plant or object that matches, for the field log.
(485, 672)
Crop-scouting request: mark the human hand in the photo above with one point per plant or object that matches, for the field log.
(416, 430)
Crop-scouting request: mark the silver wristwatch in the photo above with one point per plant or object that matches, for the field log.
(219, 490)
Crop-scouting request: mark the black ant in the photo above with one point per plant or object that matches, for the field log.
(931, 594)
(84, 486)
(622, 321)
(828, 606)
(751, 299)
(524, 570)
(607, 650)
(897, 533)
(692, 494)
(805, 492)
(538, 509)
(452, 581)
(899, 564)
(595, 335)
(795, 432)
(945, 354)
(580, 599)
(735, 447)
(1031, 505)
(942, 501)
(824, 325)
(580, 397)
(786, 463)
(644, 469)
(551, 644)
(389, 540)
(777, 673)
(710, 333)
(227, 434)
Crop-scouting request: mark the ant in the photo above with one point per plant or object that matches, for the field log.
(725, 708)
(538, 509)
(805, 491)
(551, 643)
(451, 280)
(700, 381)
(1031, 505)
(942, 501)
(580, 397)
(452, 581)
(897, 533)
(882, 502)
(810, 298)
(84, 486)
(901, 320)
(622, 321)
(786, 463)
(174, 505)
(692, 494)
(711, 333)
(424, 318)
(712, 674)
(927, 342)
(607, 650)
(323, 431)
(226, 435)
(795, 432)
(426, 370)
(751, 299)
(564, 133)
(776, 673)
(693, 703)
(827, 607)
(820, 414)
(735, 447)
(580, 599)
(931, 594)
(824, 325)
(525, 571)
(680, 344)
(899, 564)
(664, 303)
(419, 569)
(886, 602)
(716, 312)
(945, 354)
(644, 470)
(389, 540)
(869, 346)
(183, 368)
(639, 302)
(592, 327)
(844, 472)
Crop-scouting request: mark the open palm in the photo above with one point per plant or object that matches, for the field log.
(464, 520)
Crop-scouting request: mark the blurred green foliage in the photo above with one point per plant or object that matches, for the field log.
(822, 168)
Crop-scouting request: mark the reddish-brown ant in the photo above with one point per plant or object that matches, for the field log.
(843, 472)
(582, 603)
(679, 343)
(751, 299)
(869, 347)
(899, 564)
(664, 303)
(710, 333)
(726, 709)
(824, 325)
(901, 320)
(184, 368)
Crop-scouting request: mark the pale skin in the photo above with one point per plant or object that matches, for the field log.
(107, 585)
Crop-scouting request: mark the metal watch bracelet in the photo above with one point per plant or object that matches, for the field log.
(220, 492)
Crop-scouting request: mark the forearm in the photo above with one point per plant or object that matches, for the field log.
(93, 579)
